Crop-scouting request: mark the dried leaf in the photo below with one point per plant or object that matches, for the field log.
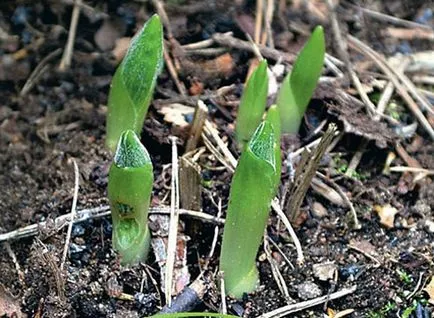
(430, 290)
(387, 214)
(350, 111)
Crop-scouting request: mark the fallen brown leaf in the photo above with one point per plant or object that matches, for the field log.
(430, 290)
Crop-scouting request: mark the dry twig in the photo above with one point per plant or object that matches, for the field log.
(276, 207)
(200, 115)
(65, 63)
(390, 19)
(16, 264)
(173, 225)
(342, 48)
(357, 225)
(273, 54)
(216, 234)
(409, 34)
(267, 34)
(286, 310)
(277, 275)
(305, 172)
(95, 213)
(71, 214)
(39, 70)
(173, 73)
(258, 20)
(391, 73)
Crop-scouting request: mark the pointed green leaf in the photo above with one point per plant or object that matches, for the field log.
(252, 189)
(273, 117)
(134, 82)
(129, 191)
(252, 104)
(298, 86)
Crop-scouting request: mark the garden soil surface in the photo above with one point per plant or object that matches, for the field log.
(61, 119)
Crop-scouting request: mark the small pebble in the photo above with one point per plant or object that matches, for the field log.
(75, 248)
(308, 290)
(318, 210)
(146, 300)
(77, 230)
(95, 288)
(79, 241)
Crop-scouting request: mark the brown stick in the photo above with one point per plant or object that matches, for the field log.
(342, 49)
(200, 116)
(383, 65)
(273, 54)
(286, 310)
(65, 63)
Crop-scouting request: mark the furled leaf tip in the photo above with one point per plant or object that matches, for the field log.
(263, 142)
(145, 52)
(130, 152)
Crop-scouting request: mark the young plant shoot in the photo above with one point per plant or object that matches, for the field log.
(253, 187)
(273, 117)
(129, 191)
(299, 85)
(252, 104)
(133, 84)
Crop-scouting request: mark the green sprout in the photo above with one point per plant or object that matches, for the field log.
(129, 191)
(383, 312)
(252, 104)
(133, 84)
(273, 117)
(407, 312)
(405, 277)
(253, 187)
(298, 86)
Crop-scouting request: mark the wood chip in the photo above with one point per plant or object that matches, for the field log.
(175, 114)
(387, 215)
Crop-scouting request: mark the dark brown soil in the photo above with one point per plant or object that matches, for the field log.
(63, 118)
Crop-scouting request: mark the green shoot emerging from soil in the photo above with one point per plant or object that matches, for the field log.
(252, 104)
(253, 187)
(299, 85)
(133, 84)
(129, 191)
